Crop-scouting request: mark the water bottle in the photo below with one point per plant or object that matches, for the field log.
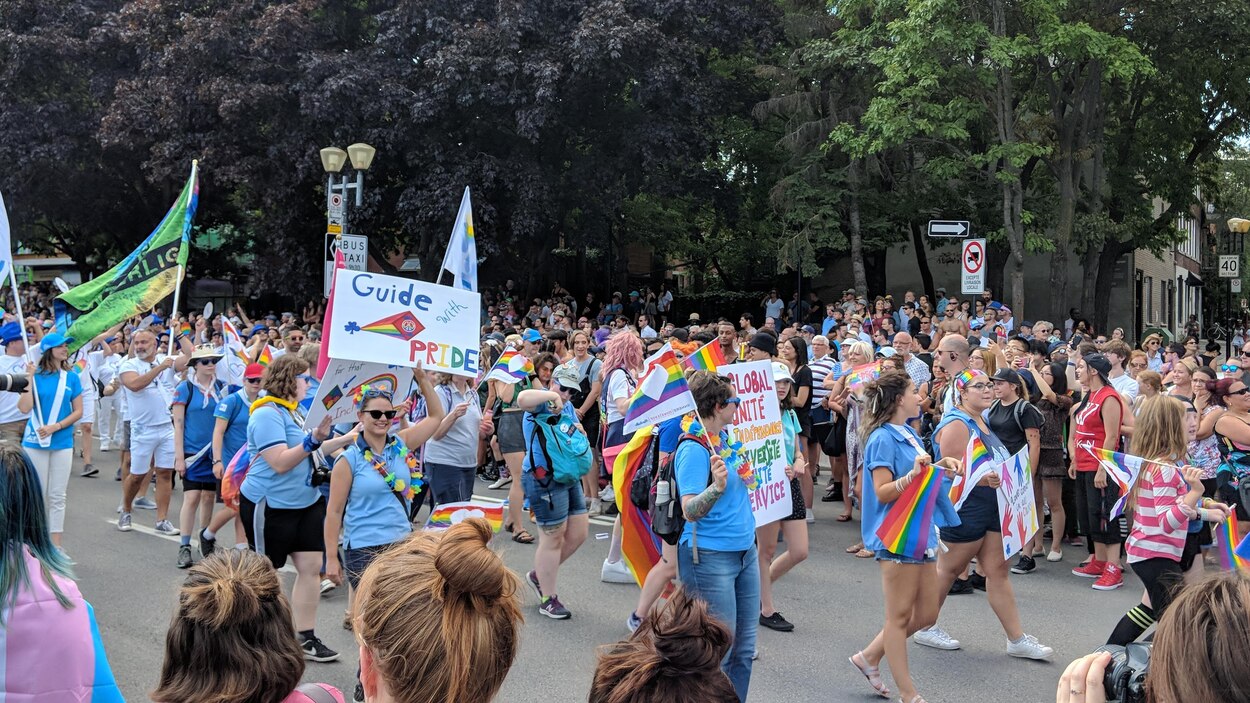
(662, 495)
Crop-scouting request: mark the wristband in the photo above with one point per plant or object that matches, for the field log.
(310, 443)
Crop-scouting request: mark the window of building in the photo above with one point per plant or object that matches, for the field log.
(1149, 301)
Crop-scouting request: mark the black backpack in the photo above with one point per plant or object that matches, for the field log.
(667, 517)
(641, 490)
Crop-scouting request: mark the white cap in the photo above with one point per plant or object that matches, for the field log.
(781, 372)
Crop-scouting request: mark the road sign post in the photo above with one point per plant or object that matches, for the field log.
(1230, 266)
(355, 255)
(949, 228)
(972, 266)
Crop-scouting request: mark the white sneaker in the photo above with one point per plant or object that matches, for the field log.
(615, 572)
(144, 502)
(596, 506)
(500, 482)
(1054, 556)
(165, 527)
(607, 495)
(811, 517)
(104, 446)
(326, 586)
(936, 638)
(1027, 647)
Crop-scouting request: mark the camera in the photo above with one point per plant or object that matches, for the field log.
(1124, 681)
(321, 470)
(13, 382)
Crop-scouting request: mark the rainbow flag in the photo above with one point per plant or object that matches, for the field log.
(661, 394)
(639, 543)
(709, 357)
(1122, 469)
(448, 514)
(80, 365)
(232, 477)
(1231, 554)
(265, 356)
(977, 463)
(184, 330)
(511, 368)
(860, 375)
(909, 524)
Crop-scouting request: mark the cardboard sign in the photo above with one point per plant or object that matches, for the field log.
(392, 320)
(1016, 506)
(336, 395)
(757, 424)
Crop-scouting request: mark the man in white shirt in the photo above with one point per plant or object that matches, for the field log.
(110, 417)
(292, 339)
(149, 382)
(916, 368)
(644, 328)
(12, 420)
(1117, 352)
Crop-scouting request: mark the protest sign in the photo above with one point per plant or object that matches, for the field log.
(1016, 507)
(392, 320)
(757, 424)
(343, 379)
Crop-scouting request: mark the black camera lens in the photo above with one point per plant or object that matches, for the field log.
(1124, 680)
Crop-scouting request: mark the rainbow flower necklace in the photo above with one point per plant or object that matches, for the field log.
(395, 448)
(730, 451)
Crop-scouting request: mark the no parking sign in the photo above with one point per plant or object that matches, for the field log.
(972, 265)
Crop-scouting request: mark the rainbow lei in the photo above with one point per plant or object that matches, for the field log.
(730, 451)
(416, 477)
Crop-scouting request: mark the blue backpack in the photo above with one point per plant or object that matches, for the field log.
(564, 450)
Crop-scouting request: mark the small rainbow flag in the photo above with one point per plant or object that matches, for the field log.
(265, 356)
(511, 368)
(639, 544)
(661, 394)
(1231, 554)
(80, 365)
(184, 330)
(909, 524)
(977, 463)
(709, 357)
(860, 375)
(232, 477)
(448, 514)
(1122, 469)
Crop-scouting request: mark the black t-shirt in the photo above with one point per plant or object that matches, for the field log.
(1002, 420)
(803, 379)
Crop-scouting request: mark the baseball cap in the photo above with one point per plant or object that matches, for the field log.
(254, 371)
(52, 341)
(694, 317)
(1006, 374)
(10, 332)
(976, 324)
(532, 335)
(809, 329)
(781, 372)
(764, 342)
(886, 352)
(1100, 364)
(566, 374)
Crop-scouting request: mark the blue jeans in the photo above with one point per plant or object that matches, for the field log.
(450, 484)
(730, 583)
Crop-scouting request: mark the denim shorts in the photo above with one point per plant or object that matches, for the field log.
(555, 502)
(887, 555)
(355, 561)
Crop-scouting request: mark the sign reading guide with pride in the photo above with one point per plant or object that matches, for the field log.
(392, 320)
(757, 424)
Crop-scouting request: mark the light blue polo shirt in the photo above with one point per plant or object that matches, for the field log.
(730, 525)
(374, 516)
(274, 426)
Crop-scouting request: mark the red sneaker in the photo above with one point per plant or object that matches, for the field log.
(1111, 579)
(1092, 569)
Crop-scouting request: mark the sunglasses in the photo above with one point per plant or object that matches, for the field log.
(206, 362)
(379, 414)
(733, 401)
(1226, 368)
(1245, 354)
(1243, 391)
(1138, 366)
(252, 380)
(305, 377)
(297, 339)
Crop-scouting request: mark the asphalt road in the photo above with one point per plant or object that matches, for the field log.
(834, 599)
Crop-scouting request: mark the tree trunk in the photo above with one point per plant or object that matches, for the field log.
(1065, 175)
(922, 260)
(856, 235)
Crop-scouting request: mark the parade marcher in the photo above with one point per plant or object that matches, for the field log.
(978, 533)
(282, 512)
(793, 527)
(13, 361)
(110, 415)
(451, 452)
(229, 436)
(893, 458)
(1018, 424)
(1055, 404)
(793, 352)
(49, 437)
(511, 438)
(586, 402)
(148, 378)
(1097, 422)
(621, 368)
(194, 407)
(848, 401)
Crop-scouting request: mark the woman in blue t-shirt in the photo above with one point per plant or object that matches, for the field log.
(195, 402)
(49, 437)
(893, 458)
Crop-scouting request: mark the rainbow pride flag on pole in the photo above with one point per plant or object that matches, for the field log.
(1122, 469)
(909, 524)
(709, 357)
(265, 356)
(511, 368)
(639, 543)
(977, 463)
(661, 394)
(1232, 555)
(860, 375)
(448, 514)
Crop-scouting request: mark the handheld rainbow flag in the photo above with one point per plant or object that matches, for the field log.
(80, 365)
(1122, 469)
(1226, 537)
(639, 544)
(977, 463)
(860, 375)
(709, 357)
(265, 356)
(909, 524)
(184, 329)
(661, 394)
(232, 477)
(448, 514)
(511, 368)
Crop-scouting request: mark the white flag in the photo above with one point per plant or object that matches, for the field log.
(461, 256)
(6, 242)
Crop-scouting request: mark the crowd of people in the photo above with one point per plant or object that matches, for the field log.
(152, 390)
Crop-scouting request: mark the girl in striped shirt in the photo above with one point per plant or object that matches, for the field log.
(1165, 497)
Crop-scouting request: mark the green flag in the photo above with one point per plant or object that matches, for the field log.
(136, 284)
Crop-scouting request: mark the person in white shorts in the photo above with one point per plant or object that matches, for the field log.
(149, 382)
(109, 418)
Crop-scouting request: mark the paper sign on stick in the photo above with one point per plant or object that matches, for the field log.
(336, 395)
(757, 424)
(1016, 506)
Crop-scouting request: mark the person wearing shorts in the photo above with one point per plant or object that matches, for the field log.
(149, 382)
(195, 402)
(559, 508)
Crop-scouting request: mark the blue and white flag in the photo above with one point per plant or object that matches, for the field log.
(6, 242)
(461, 256)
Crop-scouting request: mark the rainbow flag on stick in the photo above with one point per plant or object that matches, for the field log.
(709, 357)
(1122, 469)
(1232, 555)
(232, 477)
(639, 544)
(265, 356)
(860, 375)
(448, 514)
(512, 368)
(977, 463)
(661, 394)
(909, 524)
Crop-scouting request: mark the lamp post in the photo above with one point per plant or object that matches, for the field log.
(1237, 228)
(332, 160)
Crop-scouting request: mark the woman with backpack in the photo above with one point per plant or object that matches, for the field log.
(621, 369)
(1018, 424)
(559, 508)
(508, 415)
(794, 526)
(585, 402)
(194, 407)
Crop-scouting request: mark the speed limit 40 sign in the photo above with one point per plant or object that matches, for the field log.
(1230, 266)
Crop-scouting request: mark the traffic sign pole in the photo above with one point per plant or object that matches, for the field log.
(972, 266)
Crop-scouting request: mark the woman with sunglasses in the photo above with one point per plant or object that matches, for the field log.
(979, 532)
(194, 412)
(1233, 429)
(282, 512)
(229, 438)
(451, 452)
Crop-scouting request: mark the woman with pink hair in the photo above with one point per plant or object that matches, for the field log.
(621, 368)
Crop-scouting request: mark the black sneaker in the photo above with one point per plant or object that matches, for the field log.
(88, 471)
(206, 545)
(358, 696)
(316, 651)
(1026, 565)
(977, 581)
(776, 622)
(184, 557)
(960, 587)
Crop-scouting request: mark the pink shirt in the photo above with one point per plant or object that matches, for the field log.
(1161, 520)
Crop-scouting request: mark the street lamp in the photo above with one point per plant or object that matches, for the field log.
(332, 160)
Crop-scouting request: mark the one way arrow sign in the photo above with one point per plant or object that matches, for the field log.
(949, 228)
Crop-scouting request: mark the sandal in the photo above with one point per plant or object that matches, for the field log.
(523, 537)
(864, 554)
(855, 548)
(914, 699)
(871, 673)
(845, 517)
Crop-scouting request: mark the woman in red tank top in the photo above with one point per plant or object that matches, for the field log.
(1097, 422)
